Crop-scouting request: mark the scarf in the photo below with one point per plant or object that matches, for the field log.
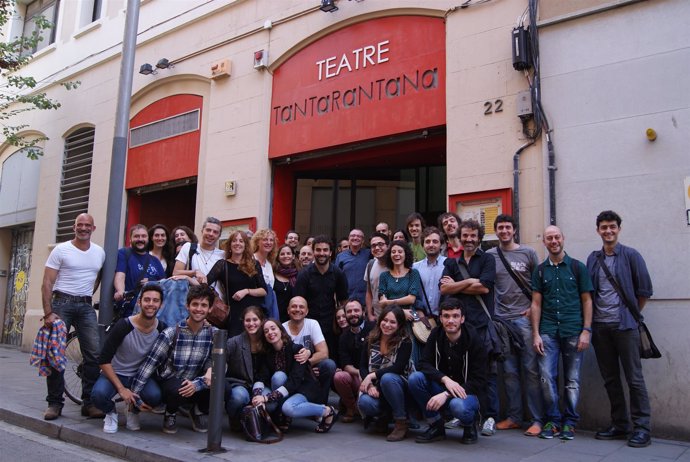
(289, 272)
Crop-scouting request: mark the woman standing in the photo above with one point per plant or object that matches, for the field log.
(384, 369)
(292, 382)
(159, 246)
(400, 285)
(182, 234)
(285, 270)
(264, 248)
(241, 278)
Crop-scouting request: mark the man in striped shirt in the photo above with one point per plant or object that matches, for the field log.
(182, 358)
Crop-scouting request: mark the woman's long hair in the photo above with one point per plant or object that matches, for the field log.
(399, 335)
(167, 251)
(284, 336)
(246, 265)
(256, 243)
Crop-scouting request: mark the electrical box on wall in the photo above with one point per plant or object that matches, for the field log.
(524, 105)
(230, 188)
(521, 56)
(260, 59)
(221, 69)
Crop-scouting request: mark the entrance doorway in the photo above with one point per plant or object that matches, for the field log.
(171, 204)
(18, 285)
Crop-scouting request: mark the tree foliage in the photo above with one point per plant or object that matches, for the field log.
(18, 92)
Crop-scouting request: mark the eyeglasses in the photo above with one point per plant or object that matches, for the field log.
(378, 244)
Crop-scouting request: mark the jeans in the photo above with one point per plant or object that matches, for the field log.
(422, 389)
(298, 406)
(237, 397)
(103, 392)
(393, 390)
(526, 360)
(615, 348)
(173, 399)
(82, 316)
(326, 373)
(554, 348)
(347, 387)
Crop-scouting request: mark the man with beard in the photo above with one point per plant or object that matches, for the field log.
(377, 265)
(414, 225)
(561, 314)
(352, 340)
(125, 348)
(321, 284)
(353, 262)
(196, 261)
(306, 256)
(471, 278)
(449, 222)
(135, 267)
(430, 270)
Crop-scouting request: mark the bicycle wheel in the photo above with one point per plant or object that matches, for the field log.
(73, 368)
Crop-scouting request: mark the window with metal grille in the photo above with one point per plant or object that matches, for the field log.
(164, 128)
(76, 181)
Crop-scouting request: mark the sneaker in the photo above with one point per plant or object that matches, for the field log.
(489, 427)
(507, 424)
(133, 423)
(567, 433)
(110, 422)
(549, 431)
(452, 423)
(170, 423)
(199, 420)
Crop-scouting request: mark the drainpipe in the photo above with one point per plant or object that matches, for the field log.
(552, 179)
(516, 186)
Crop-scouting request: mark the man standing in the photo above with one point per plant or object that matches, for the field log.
(561, 313)
(415, 225)
(377, 265)
(70, 278)
(306, 256)
(321, 284)
(351, 342)
(449, 222)
(135, 267)
(431, 269)
(515, 264)
(621, 285)
(181, 356)
(353, 262)
(471, 278)
(123, 352)
(383, 228)
(451, 373)
(196, 261)
(292, 240)
(307, 332)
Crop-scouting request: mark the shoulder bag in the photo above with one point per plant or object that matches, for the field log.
(422, 323)
(219, 311)
(258, 425)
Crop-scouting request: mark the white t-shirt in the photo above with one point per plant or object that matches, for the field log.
(77, 269)
(202, 260)
(309, 336)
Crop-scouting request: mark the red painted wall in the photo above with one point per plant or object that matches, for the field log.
(169, 159)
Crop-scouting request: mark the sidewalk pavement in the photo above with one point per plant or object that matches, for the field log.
(22, 403)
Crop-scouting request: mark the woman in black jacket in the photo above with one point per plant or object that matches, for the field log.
(293, 384)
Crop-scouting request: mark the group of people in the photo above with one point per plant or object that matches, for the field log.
(303, 322)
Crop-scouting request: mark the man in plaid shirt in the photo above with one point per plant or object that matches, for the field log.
(182, 358)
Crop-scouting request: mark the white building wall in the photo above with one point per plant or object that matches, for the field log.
(606, 78)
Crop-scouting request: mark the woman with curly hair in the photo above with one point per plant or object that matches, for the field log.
(181, 235)
(160, 247)
(264, 248)
(240, 276)
(285, 270)
(384, 368)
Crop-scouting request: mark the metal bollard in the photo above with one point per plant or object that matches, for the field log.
(216, 408)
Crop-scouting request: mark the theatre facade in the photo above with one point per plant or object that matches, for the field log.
(278, 114)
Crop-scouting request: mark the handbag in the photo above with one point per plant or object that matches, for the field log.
(422, 326)
(648, 349)
(219, 311)
(258, 425)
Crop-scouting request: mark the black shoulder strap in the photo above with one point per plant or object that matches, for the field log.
(369, 266)
(192, 251)
(617, 288)
(466, 275)
(517, 280)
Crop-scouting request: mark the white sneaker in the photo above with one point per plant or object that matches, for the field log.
(110, 422)
(489, 427)
(133, 423)
(452, 423)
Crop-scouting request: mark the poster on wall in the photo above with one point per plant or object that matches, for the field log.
(248, 225)
(483, 207)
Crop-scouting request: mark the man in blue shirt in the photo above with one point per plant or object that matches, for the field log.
(353, 262)
(431, 269)
(616, 338)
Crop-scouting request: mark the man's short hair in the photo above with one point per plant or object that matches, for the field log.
(201, 291)
(473, 224)
(383, 236)
(212, 220)
(432, 230)
(503, 218)
(138, 226)
(152, 287)
(609, 215)
(323, 239)
(450, 303)
(292, 231)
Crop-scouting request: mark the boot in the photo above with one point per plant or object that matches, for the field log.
(399, 432)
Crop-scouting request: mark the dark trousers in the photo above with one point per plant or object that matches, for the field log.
(173, 400)
(614, 349)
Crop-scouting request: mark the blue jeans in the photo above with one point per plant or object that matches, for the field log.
(298, 406)
(237, 397)
(103, 392)
(393, 390)
(554, 348)
(82, 316)
(422, 389)
(526, 360)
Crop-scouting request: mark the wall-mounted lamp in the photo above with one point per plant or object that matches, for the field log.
(147, 69)
(163, 63)
(328, 6)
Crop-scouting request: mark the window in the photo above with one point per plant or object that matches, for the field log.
(48, 9)
(90, 11)
(165, 128)
(76, 181)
